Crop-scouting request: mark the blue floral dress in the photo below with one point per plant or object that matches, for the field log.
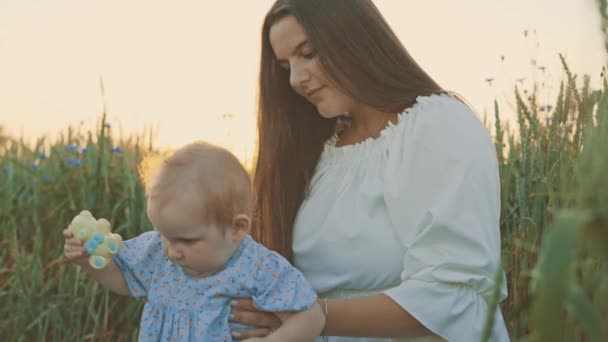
(180, 307)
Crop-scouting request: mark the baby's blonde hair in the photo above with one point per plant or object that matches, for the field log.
(209, 175)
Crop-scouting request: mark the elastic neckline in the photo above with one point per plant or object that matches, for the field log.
(362, 148)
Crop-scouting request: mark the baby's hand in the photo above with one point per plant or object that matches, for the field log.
(73, 249)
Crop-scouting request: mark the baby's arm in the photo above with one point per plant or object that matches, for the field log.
(282, 289)
(301, 326)
(110, 277)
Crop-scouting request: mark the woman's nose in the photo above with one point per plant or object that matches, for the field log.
(298, 76)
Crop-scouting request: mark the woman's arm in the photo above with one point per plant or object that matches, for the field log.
(370, 316)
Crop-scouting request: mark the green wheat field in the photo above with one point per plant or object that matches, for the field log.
(554, 224)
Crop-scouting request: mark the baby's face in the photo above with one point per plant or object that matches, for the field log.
(199, 248)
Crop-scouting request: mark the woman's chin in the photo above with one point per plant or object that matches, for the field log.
(328, 113)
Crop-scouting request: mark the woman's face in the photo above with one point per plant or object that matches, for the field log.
(295, 53)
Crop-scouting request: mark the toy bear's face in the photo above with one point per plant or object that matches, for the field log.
(84, 224)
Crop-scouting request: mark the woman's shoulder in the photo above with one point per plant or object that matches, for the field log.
(440, 119)
(439, 110)
(439, 130)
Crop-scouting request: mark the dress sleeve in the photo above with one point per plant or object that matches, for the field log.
(280, 287)
(442, 191)
(138, 259)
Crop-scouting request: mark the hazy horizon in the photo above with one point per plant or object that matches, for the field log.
(182, 66)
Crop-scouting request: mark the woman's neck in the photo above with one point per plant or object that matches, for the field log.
(365, 123)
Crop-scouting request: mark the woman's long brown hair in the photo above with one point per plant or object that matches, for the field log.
(364, 58)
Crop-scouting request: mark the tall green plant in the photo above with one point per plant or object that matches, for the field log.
(41, 188)
(571, 287)
(554, 163)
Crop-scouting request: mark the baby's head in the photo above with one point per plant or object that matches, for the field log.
(200, 201)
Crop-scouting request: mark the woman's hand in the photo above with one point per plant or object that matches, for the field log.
(244, 312)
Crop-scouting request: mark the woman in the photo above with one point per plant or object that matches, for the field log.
(380, 186)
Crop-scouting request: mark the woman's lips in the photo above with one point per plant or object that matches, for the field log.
(314, 92)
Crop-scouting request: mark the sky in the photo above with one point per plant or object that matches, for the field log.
(188, 69)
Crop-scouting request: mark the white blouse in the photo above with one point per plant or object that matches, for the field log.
(413, 214)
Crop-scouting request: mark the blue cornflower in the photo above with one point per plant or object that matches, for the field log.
(71, 147)
(116, 149)
(74, 162)
(33, 166)
(84, 150)
(41, 156)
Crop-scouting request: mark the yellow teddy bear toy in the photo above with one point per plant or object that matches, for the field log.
(100, 243)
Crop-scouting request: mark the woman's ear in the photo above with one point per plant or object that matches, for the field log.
(241, 224)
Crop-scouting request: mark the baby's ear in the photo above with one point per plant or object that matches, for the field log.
(241, 224)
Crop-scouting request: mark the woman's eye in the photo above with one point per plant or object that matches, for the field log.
(310, 55)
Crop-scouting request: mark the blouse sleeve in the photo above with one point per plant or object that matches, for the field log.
(138, 258)
(280, 287)
(442, 191)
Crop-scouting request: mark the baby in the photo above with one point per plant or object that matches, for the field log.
(201, 256)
